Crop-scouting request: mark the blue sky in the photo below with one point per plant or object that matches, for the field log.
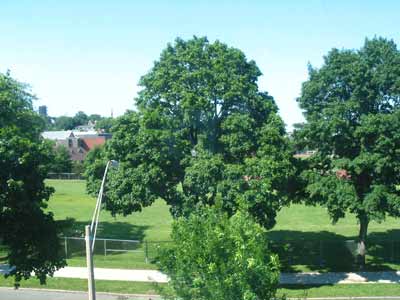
(89, 55)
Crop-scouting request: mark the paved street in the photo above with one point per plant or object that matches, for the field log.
(32, 294)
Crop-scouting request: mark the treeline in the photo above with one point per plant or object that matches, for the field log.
(80, 118)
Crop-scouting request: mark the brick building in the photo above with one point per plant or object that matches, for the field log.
(78, 143)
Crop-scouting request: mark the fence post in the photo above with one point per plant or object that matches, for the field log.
(105, 247)
(321, 259)
(392, 256)
(146, 251)
(66, 246)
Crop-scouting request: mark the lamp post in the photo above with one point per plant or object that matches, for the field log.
(90, 234)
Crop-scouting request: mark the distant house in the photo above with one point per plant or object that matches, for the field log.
(78, 143)
(90, 126)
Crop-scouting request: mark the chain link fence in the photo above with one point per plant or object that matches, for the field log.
(334, 255)
(316, 255)
(145, 251)
(71, 176)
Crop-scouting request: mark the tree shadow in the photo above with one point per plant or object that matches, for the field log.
(326, 251)
(383, 248)
(109, 230)
(112, 238)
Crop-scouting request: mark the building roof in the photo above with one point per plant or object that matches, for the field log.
(92, 142)
(57, 135)
(81, 134)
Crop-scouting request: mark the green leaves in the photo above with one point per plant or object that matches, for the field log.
(202, 128)
(352, 107)
(216, 257)
(29, 233)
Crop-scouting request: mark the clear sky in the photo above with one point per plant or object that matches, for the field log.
(89, 55)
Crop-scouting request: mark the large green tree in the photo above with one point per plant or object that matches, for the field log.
(203, 128)
(29, 233)
(351, 105)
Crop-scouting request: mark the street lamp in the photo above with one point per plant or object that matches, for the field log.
(90, 233)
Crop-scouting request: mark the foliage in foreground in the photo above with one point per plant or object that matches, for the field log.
(352, 108)
(216, 257)
(28, 232)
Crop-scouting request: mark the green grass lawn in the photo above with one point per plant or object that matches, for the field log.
(309, 226)
(71, 205)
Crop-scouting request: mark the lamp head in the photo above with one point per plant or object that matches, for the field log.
(114, 163)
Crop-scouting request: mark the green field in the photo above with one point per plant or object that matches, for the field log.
(74, 208)
(300, 229)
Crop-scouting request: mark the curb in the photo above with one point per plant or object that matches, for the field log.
(83, 292)
(152, 296)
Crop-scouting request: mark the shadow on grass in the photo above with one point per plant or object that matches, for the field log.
(383, 247)
(120, 236)
(330, 252)
(110, 230)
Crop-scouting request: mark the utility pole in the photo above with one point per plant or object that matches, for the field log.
(89, 263)
(90, 234)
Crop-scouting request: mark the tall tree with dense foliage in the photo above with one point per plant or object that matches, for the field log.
(216, 257)
(203, 129)
(28, 233)
(351, 105)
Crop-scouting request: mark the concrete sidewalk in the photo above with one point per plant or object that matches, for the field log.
(311, 278)
(114, 274)
(286, 278)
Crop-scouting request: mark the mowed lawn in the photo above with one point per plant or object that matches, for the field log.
(73, 208)
(70, 201)
(154, 223)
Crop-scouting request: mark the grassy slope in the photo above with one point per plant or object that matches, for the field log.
(301, 218)
(71, 201)
(153, 223)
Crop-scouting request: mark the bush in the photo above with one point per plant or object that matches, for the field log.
(216, 257)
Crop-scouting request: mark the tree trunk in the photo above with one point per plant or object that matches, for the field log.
(362, 236)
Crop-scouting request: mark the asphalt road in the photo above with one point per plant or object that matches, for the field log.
(35, 294)
(32, 294)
